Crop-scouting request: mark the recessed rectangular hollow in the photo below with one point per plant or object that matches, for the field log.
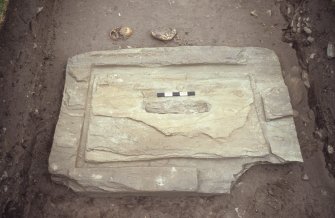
(127, 122)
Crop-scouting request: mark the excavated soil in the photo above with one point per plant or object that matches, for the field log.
(36, 42)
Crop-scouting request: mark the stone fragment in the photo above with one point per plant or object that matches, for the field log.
(307, 30)
(126, 32)
(305, 79)
(254, 13)
(305, 177)
(39, 10)
(312, 56)
(164, 34)
(123, 32)
(330, 50)
(115, 134)
(310, 39)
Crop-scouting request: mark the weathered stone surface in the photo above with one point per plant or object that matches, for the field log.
(115, 135)
(276, 103)
(164, 33)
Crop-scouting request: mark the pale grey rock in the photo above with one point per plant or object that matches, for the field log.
(330, 50)
(253, 13)
(305, 177)
(164, 33)
(310, 39)
(115, 136)
(307, 30)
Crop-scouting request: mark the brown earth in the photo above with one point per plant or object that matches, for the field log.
(34, 49)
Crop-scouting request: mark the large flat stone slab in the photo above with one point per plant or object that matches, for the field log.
(117, 133)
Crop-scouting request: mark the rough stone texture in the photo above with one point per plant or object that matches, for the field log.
(115, 135)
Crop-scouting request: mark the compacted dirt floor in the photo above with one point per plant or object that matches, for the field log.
(39, 36)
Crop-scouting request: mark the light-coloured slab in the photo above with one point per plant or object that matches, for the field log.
(113, 125)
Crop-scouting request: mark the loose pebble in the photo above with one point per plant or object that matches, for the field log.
(305, 79)
(330, 50)
(164, 34)
(39, 10)
(310, 39)
(305, 177)
(126, 32)
(121, 33)
(254, 13)
(312, 56)
(307, 30)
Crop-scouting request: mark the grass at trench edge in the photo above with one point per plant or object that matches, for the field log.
(2, 10)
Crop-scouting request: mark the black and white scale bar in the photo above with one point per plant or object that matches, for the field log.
(175, 94)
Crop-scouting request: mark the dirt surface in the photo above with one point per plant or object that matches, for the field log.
(318, 17)
(34, 49)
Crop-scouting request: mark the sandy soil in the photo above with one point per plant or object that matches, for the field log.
(34, 49)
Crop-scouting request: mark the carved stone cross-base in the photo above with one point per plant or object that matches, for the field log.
(184, 119)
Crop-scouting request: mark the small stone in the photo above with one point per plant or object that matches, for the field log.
(34, 46)
(121, 33)
(126, 32)
(164, 34)
(330, 50)
(269, 12)
(330, 149)
(5, 188)
(312, 56)
(39, 10)
(254, 13)
(305, 177)
(307, 30)
(310, 39)
(305, 79)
